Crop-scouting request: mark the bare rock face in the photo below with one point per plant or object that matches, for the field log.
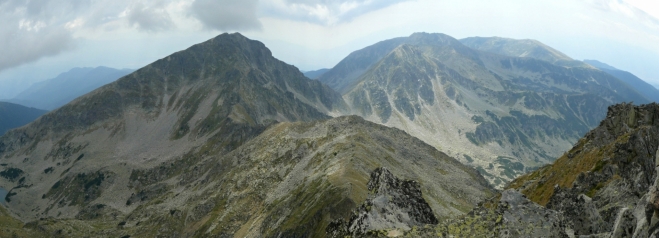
(586, 219)
(607, 184)
(392, 204)
(521, 217)
(510, 215)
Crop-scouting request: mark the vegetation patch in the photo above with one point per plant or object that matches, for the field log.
(9, 195)
(468, 158)
(48, 170)
(79, 189)
(539, 185)
(11, 174)
(477, 119)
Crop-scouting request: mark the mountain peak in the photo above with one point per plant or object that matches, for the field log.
(423, 38)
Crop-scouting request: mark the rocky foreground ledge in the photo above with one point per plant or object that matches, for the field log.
(606, 186)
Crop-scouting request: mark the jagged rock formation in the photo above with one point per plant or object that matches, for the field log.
(501, 114)
(201, 143)
(393, 204)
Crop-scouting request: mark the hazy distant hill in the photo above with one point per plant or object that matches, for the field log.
(521, 48)
(649, 91)
(501, 114)
(314, 74)
(55, 92)
(14, 115)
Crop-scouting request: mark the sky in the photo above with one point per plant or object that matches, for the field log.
(41, 38)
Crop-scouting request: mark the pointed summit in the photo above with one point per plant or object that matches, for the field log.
(206, 100)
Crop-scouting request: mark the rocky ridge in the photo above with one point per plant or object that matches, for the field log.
(294, 179)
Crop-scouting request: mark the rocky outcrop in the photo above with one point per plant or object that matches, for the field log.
(607, 184)
(393, 204)
(584, 217)
(510, 214)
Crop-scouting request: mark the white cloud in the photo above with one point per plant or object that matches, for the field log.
(151, 16)
(649, 6)
(226, 15)
(629, 10)
(324, 12)
(34, 29)
(32, 41)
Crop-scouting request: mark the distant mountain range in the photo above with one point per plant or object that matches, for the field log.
(649, 91)
(503, 106)
(53, 93)
(521, 48)
(314, 74)
(14, 115)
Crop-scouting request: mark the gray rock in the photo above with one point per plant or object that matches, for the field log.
(393, 204)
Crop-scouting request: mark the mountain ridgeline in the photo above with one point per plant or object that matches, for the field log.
(220, 139)
(500, 105)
